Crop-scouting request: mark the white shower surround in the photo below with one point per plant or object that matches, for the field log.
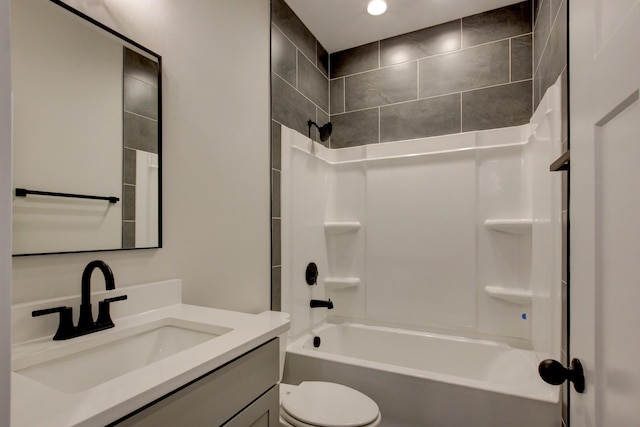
(456, 234)
(427, 232)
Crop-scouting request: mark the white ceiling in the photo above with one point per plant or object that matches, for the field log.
(341, 24)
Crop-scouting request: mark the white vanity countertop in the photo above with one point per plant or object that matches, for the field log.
(34, 404)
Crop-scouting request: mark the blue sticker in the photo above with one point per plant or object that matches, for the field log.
(524, 316)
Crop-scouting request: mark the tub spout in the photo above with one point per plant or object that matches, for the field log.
(321, 303)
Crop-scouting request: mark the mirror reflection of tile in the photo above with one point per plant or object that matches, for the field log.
(140, 89)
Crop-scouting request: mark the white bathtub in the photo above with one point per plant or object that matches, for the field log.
(423, 379)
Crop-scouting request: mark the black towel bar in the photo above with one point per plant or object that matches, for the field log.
(22, 192)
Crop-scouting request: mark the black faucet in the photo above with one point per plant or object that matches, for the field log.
(86, 317)
(315, 303)
(86, 325)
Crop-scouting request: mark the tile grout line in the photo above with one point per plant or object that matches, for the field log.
(344, 94)
(510, 60)
(460, 111)
(379, 123)
(297, 69)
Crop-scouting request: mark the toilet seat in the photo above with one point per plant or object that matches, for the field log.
(323, 404)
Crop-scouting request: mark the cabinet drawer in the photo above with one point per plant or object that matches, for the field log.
(216, 397)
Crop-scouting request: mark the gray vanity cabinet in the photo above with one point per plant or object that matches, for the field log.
(242, 393)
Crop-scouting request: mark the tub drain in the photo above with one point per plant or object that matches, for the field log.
(316, 342)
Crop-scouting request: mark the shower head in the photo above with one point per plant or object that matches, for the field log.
(325, 130)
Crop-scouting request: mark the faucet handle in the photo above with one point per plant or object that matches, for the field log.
(66, 329)
(104, 316)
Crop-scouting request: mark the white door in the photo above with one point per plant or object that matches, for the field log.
(605, 210)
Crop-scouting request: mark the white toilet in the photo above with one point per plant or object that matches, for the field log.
(323, 404)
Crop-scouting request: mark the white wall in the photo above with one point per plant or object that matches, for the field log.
(5, 213)
(215, 59)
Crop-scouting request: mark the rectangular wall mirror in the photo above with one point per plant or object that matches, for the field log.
(87, 134)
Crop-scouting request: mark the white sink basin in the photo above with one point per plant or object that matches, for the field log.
(97, 359)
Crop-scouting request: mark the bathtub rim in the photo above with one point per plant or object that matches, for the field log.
(515, 342)
(295, 346)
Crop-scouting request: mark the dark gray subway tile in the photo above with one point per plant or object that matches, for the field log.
(356, 128)
(564, 102)
(554, 58)
(383, 86)
(422, 118)
(541, 32)
(140, 97)
(290, 107)
(140, 67)
(496, 107)
(322, 59)
(276, 242)
(128, 234)
(140, 133)
(283, 56)
(555, 8)
(336, 95)
(419, 44)
(521, 68)
(312, 83)
(354, 60)
(276, 145)
(536, 91)
(467, 69)
(129, 202)
(129, 166)
(497, 24)
(293, 28)
(276, 288)
(275, 193)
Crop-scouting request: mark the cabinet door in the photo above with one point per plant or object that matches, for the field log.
(264, 412)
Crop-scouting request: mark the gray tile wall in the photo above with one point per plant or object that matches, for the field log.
(550, 61)
(470, 74)
(140, 130)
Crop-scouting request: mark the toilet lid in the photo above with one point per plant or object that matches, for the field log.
(330, 405)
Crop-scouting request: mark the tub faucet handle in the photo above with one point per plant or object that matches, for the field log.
(311, 274)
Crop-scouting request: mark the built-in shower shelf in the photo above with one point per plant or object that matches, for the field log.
(513, 226)
(341, 282)
(512, 295)
(341, 227)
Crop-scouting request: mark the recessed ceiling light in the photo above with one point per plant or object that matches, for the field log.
(377, 7)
